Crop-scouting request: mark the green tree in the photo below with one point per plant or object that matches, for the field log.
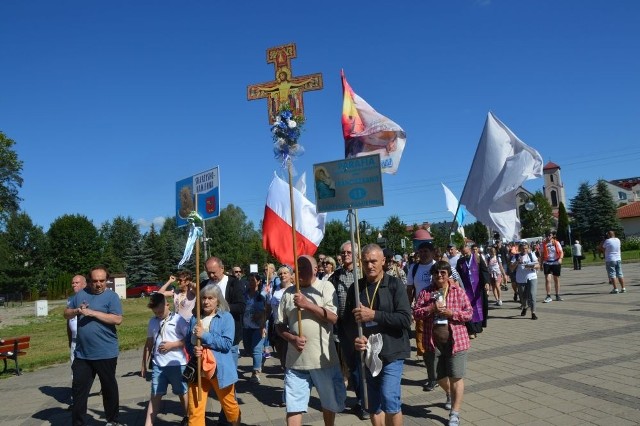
(583, 211)
(118, 237)
(606, 218)
(537, 221)
(154, 244)
(563, 225)
(74, 245)
(476, 232)
(10, 178)
(23, 254)
(139, 264)
(335, 233)
(172, 242)
(440, 233)
(231, 234)
(394, 231)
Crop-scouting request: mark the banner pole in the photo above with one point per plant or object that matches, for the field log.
(293, 235)
(356, 276)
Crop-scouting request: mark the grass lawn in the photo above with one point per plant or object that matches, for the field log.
(49, 343)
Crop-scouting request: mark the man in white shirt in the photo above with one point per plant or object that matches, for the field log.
(613, 261)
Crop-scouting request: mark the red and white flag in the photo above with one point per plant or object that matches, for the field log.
(276, 227)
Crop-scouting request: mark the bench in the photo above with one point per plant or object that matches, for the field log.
(13, 348)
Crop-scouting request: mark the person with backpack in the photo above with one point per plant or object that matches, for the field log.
(551, 260)
(418, 279)
(525, 266)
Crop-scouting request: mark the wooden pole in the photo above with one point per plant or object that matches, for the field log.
(295, 245)
(198, 341)
(356, 276)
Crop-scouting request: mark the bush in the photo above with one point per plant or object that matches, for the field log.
(631, 243)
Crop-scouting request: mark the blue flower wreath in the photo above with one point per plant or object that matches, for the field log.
(286, 131)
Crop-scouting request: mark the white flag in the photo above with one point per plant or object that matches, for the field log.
(501, 164)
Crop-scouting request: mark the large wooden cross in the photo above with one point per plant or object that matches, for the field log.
(285, 88)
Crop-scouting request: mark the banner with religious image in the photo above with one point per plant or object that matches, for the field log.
(368, 132)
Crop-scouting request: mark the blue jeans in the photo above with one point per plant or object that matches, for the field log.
(384, 390)
(252, 342)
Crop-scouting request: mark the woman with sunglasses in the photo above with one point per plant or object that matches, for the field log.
(445, 308)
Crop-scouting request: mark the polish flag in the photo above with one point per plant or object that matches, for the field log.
(277, 238)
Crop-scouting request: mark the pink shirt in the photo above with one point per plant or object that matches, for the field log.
(457, 302)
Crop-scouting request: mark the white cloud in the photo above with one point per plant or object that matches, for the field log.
(145, 224)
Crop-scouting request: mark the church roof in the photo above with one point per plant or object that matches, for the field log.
(629, 211)
(550, 166)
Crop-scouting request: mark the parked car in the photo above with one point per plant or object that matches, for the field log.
(142, 289)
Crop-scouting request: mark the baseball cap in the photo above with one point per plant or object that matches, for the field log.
(426, 245)
(387, 252)
(397, 258)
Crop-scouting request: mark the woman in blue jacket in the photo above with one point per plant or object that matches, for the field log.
(216, 332)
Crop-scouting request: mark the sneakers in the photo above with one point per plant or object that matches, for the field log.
(454, 419)
(523, 312)
(534, 317)
(498, 302)
(255, 378)
(361, 412)
(430, 385)
(547, 299)
(515, 297)
(447, 405)
(624, 290)
(558, 298)
(614, 291)
(266, 355)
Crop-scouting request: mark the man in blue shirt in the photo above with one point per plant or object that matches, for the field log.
(98, 312)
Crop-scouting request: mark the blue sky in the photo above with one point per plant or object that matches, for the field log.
(111, 103)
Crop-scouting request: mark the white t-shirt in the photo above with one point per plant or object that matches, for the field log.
(171, 329)
(612, 250)
(523, 274)
(422, 278)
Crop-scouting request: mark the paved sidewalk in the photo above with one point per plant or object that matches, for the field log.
(578, 364)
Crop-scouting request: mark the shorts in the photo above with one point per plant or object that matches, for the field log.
(614, 269)
(384, 390)
(551, 268)
(162, 376)
(497, 280)
(327, 381)
(446, 365)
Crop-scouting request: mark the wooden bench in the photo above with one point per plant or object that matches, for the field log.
(13, 348)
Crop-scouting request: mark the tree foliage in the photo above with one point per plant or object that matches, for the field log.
(139, 264)
(583, 211)
(606, 218)
(563, 225)
(594, 213)
(23, 254)
(118, 237)
(476, 232)
(335, 233)
(10, 178)
(233, 238)
(394, 231)
(74, 244)
(539, 220)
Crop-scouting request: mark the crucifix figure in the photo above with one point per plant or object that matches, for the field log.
(285, 88)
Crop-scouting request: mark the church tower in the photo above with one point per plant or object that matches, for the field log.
(553, 188)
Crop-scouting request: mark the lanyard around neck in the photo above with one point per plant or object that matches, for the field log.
(375, 291)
